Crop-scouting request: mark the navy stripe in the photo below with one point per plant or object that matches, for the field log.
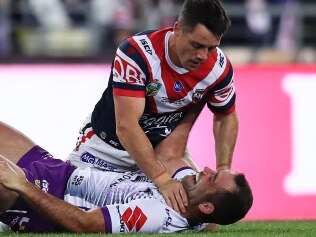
(225, 108)
(127, 86)
(225, 81)
(127, 48)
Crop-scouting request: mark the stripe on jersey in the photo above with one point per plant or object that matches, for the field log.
(204, 85)
(222, 97)
(154, 63)
(128, 77)
(107, 220)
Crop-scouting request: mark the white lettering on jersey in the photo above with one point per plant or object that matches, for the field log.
(301, 89)
(125, 70)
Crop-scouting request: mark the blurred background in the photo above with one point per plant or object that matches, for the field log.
(55, 59)
(263, 31)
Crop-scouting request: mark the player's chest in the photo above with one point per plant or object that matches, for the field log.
(170, 90)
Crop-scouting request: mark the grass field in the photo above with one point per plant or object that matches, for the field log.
(251, 229)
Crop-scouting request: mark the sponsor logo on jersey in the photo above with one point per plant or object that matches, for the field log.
(102, 165)
(197, 95)
(77, 180)
(42, 184)
(88, 158)
(122, 226)
(221, 60)
(134, 218)
(164, 123)
(153, 88)
(46, 156)
(169, 219)
(125, 72)
(130, 176)
(146, 46)
(176, 102)
(178, 86)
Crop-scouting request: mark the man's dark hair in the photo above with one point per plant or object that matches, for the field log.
(230, 206)
(209, 13)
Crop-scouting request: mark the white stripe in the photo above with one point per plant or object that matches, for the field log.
(155, 64)
(16, 211)
(129, 60)
(79, 202)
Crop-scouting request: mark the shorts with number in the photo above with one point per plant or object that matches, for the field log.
(50, 175)
(91, 151)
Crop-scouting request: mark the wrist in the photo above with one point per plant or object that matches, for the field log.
(222, 166)
(161, 178)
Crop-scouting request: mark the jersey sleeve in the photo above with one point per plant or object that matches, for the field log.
(222, 97)
(142, 216)
(129, 71)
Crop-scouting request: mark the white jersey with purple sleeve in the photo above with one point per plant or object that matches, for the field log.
(130, 202)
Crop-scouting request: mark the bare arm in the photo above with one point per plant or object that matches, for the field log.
(225, 129)
(172, 151)
(60, 213)
(128, 111)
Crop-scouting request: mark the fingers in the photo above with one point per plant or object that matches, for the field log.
(175, 196)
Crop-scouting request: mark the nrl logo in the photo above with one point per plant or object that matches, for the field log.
(153, 88)
(197, 95)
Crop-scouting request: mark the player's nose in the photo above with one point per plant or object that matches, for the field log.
(208, 171)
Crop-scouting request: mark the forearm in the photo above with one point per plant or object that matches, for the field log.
(61, 214)
(140, 149)
(172, 151)
(225, 128)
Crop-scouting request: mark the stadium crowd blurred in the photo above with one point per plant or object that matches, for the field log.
(263, 31)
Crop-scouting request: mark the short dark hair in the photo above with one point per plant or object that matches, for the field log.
(209, 13)
(230, 206)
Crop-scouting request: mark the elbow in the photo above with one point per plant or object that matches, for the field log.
(123, 129)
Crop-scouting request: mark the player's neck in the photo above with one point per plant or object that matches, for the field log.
(172, 50)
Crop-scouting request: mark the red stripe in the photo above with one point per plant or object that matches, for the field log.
(123, 92)
(83, 139)
(150, 79)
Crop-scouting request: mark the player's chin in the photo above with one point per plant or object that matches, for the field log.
(191, 66)
(187, 182)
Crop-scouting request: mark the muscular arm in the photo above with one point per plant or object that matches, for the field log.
(172, 151)
(62, 214)
(225, 129)
(128, 111)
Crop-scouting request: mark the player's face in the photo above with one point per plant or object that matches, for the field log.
(193, 48)
(208, 181)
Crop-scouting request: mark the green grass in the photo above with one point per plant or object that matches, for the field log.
(253, 229)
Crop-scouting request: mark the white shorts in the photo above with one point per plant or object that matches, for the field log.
(92, 151)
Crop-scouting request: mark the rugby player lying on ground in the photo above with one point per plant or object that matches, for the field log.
(50, 195)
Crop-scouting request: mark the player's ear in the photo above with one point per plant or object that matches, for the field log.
(206, 207)
(177, 28)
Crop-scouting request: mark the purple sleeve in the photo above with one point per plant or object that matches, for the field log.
(107, 220)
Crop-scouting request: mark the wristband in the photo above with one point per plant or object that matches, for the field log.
(161, 178)
(221, 165)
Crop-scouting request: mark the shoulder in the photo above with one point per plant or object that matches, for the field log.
(221, 58)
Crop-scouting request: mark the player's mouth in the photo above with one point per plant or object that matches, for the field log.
(197, 178)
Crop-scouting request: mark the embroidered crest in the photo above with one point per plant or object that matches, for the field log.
(153, 88)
